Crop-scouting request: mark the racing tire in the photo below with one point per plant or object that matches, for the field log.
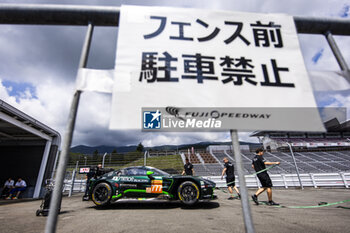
(102, 194)
(188, 193)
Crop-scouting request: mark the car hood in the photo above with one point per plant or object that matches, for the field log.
(197, 178)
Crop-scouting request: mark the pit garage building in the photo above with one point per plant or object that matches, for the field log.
(28, 149)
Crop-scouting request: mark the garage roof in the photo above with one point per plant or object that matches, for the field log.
(18, 126)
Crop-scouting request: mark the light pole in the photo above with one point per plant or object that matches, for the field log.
(295, 164)
(103, 160)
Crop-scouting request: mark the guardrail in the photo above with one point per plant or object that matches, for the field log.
(279, 180)
(291, 180)
(78, 186)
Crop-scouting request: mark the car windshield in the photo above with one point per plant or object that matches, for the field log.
(158, 172)
(111, 173)
(136, 171)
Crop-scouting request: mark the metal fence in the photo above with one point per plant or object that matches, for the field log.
(172, 163)
(315, 180)
(168, 161)
(91, 16)
(78, 182)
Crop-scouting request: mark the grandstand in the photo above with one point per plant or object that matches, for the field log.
(315, 153)
(207, 157)
(194, 159)
(337, 137)
(307, 162)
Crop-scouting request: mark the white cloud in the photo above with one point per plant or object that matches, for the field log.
(341, 101)
(48, 56)
(154, 139)
(50, 106)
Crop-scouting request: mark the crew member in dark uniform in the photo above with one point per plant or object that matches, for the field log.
(188, 168)
(230, 178)
(94, 172)
(99, 171)
(258, 163)
(89, 175)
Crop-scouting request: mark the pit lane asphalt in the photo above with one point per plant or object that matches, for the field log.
(221, 215)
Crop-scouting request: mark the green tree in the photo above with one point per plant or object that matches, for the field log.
(140, 147)
(95, 156)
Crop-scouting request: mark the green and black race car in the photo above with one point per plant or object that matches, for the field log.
(149, 182)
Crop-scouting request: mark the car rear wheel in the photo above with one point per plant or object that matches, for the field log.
(188, 193)
(102, 194)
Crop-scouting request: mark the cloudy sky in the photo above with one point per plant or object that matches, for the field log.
(39, 65)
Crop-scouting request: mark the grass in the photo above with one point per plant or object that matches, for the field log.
(171, 163)
(162, 162)
(168, 162)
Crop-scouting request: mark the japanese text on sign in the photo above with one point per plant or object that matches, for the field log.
(201, 58)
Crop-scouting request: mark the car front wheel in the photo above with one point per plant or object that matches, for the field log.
(102, 194)
(188, 193)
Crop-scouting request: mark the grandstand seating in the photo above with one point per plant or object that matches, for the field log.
(194, 159)
(220, 155)
(208, 158)
(307, 162)
(208, 169)
(200, 170)
(322, 142)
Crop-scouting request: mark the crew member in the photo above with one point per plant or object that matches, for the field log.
(20, 186)
(258, 163)
(230, 178)
(89, 175)
(8, 186)
(188, 168)
(99, 171)
(93, 173)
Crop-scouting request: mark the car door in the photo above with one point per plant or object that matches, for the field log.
(134, 182)
(162, 182)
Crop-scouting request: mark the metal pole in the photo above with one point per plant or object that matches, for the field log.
(248, 221)
(103, 160)
(54, 165)
(55, 203)
(340, 59)
(145, 158)
(295, 164)
(73, 179)
(54, 14)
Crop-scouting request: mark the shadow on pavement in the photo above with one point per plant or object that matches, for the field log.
(155, 205)
(8, 202)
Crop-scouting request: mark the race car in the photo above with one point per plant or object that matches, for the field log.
(149, 182)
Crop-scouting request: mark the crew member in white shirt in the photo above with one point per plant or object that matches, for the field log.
(20, 186)
(8, 186)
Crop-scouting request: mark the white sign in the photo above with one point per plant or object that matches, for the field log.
(201, 58)
(95, 80)
(84, 170)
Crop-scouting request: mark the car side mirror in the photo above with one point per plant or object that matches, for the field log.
(150, 174)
